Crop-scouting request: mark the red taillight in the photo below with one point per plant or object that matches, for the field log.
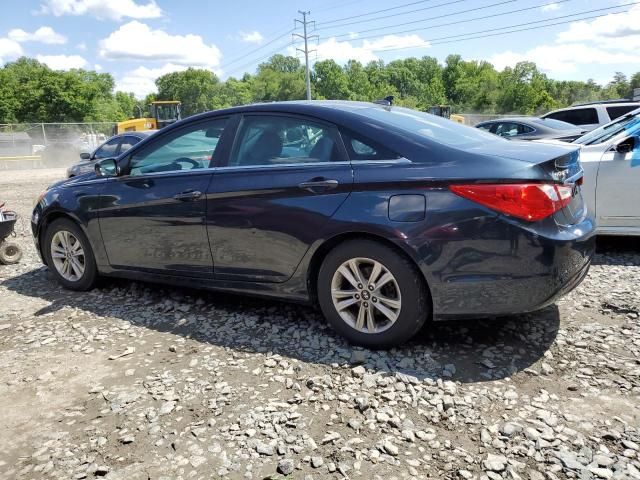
(528, 201)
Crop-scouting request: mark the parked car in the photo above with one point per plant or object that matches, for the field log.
(593, 114)
(111, 148)
(531, 128)
(385, 216)
(611, 159)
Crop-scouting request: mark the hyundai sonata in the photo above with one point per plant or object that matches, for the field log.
(384, 216)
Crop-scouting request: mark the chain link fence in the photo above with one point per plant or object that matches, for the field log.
(49, 145)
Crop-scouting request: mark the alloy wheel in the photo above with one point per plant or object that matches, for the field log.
(67, 255)
(366, 295)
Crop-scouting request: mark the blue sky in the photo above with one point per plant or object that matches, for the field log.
(138, 40)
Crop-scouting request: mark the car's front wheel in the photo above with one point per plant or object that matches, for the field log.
(371, 294)
(69, 255)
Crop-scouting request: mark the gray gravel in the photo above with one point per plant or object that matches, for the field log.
(136, 380)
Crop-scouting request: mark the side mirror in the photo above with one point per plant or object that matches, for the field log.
(107, 168)
(626, 146)
(85, 156)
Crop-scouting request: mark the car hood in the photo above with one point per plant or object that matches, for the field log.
(530, 152)
(70, 181)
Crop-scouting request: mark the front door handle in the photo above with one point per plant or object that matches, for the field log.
(188, 195)
(317, 185)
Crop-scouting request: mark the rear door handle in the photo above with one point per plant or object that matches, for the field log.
(188, 195)
(318, 185)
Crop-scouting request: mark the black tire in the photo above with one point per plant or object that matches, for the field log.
(10, 253)
(90, 275)
(416, 303)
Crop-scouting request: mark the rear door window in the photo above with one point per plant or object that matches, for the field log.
(615, 112)
(577, 116)
(362, 149)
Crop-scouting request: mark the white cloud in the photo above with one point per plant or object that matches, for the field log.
(550, 7)
(610, 40)
(97, 67)
(9, 50)
(342, 51)
(137, 41)
(62, 62)
(81, 46)
(43, 35)
(251, 37)
(396, 42)
(141, 81)
(102, 9)
(564, 59)
(614, 31)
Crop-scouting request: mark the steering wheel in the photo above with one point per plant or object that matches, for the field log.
(187, 160)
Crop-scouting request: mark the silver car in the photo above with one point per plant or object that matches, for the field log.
(111, 148)
(610, 157)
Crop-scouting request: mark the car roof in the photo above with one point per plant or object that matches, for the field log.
(510, 119)
(299, 106)
(537, 122)
(618, 101)
(142, 133)
(596, 104)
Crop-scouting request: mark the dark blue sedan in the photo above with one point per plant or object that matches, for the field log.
(384, 216)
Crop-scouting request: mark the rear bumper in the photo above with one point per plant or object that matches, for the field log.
(526, 272)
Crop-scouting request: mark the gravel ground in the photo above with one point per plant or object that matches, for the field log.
(136, 380)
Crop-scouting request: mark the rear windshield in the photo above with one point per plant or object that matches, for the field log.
(555, 124)
(435, 128)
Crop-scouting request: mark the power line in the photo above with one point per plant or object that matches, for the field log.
(477, 35)
(497, 28)
(444, 16)
(374, 12)
(271, 42)
(259, 59)
(446, 4)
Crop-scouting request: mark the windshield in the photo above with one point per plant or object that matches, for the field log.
(166, 112)
(556, 124)
(629, 123)
(438, 129)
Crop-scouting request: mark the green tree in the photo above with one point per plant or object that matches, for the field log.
(195, 88)
(280, 78)
(330, 81)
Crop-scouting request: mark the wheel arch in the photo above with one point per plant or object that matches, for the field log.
(48, 219)
(323, 250)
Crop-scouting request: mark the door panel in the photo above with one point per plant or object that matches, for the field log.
(261, 223)
(618, 189)
(144, 227)
(286, 176)
(153, 217)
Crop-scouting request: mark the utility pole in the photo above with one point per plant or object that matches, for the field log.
(306, 50)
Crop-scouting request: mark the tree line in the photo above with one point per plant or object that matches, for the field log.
(32, 92)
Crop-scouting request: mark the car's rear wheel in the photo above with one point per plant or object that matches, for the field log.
(371, 294)
(69, 255)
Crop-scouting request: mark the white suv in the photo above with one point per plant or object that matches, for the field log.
(592, 115)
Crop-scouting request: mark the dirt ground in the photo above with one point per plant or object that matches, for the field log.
(134, 380)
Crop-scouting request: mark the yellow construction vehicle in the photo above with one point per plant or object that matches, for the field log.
(445, 111)
(163, 113)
